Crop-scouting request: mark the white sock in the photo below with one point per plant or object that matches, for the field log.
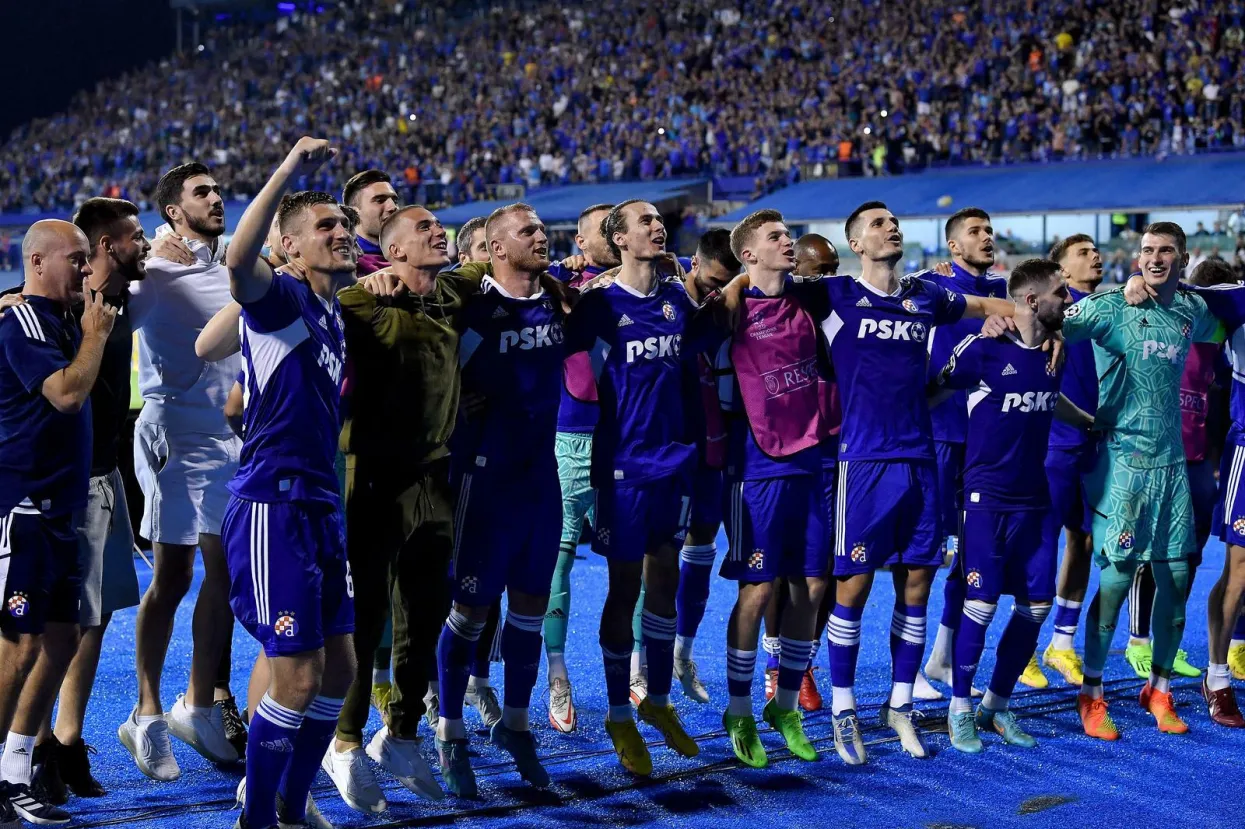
(477, 683)
(992, 702)
(940, 656)
(683, 647)
(1217, 676)
(619, 713)
(194, 709)
(448, 729)
(1162, 684)
(842, 699)
(557, 667)
(636, 667)
(816, 649)
(515, 718)
(739, 707)
(15, 764)
(1061, 642)
(772, 645)
(961, 705)
(901, 694)
(434, 687)
(1133, 640)
(147, 719)
(380, 676)
(660, 700)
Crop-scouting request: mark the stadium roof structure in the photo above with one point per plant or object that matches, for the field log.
(562, 205)
(1133, 185)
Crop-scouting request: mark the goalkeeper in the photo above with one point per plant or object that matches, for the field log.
(1140, 488)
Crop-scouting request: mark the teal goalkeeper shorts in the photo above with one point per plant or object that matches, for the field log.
(1140, 513)
(574, 454)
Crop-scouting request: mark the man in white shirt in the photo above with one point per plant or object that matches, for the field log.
(184, 455)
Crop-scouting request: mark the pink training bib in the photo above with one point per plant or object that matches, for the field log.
(1199, 373)
(786, 399)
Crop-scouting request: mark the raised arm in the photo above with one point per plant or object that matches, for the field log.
(249, 274)
(219, 338)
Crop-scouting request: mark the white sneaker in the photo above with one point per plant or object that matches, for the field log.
(150, 746)
(685, 672)
(639, 689)
(354, 780)
(402, 759)
(902, 722)
(314, 818)
(561, 706)
(205, 733)
(484, 700)
(922, 690)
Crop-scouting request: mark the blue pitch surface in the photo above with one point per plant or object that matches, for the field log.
(1067, 778)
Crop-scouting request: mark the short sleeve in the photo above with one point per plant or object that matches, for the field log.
(963, 368)
(1089, 319)
(583, 323)
(1226, 302)
(1207, 326)
(30, 349)
(948, 305)
(814, 294)
(278, 308)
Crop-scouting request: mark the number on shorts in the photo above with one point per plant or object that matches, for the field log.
(685, 515)
(349, 582)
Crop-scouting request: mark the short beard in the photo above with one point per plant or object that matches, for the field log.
(201, 227)
(983, 264)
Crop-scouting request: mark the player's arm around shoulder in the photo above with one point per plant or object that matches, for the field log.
(960, 372)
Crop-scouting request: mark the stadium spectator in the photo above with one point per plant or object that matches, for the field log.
(451, 107)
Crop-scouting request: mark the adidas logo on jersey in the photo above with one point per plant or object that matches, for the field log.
(324, 323)
(864, 303)
(624, 320)
(499, 312)
(1010, 370)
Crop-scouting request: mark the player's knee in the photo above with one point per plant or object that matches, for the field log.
(172, 577)
(980, 611)
(24, 651)
(1035, 612)
(475, 613)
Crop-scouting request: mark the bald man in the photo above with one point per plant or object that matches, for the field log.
(48, 366)
(815, 255)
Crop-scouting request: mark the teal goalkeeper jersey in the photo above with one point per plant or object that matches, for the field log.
(1139, 352)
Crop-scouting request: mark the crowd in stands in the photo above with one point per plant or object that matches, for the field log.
(552, 93)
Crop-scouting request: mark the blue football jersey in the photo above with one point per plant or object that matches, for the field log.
(45, 455)
(511, 352)
(1080, 385)
(293, 355)
(643, 352)
(878, 349)
(1012, 392)
(1227, 303)
(950, 417)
